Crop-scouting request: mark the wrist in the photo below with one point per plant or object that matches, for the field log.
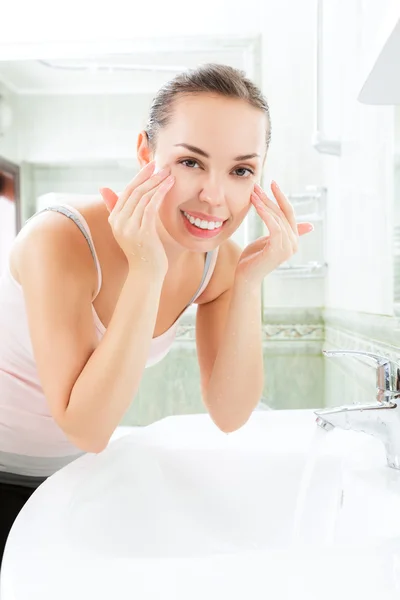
(146, 273)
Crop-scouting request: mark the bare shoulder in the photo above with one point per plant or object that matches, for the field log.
(224, 272)
(51, 239)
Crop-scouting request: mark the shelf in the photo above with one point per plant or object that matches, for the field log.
(312, 217)
(308, 270)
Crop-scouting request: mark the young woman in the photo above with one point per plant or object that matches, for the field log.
(94, 291)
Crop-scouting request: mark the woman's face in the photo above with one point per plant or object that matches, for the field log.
(215, 147)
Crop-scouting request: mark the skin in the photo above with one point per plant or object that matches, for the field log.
(218, 186)
(229, 311)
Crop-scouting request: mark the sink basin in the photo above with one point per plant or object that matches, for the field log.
(180, 510)
(181, 488)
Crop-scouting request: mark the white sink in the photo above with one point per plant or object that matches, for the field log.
(180, 510)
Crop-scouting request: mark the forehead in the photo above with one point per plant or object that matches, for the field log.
(216, 124)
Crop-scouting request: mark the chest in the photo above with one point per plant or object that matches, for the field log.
(178, 289)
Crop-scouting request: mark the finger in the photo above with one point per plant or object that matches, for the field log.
(265, 213)
(284, 242)
(304, 228)
(128, 205)
(134, 206)
(284, 208)
(135, 219)
(280, 217)
(258, 244)
(270, 220)
(139, 178)
(146, 199)
(150, 212)
(279, 241)
(285, 205)
(277, 211)
(110, 198)
(287, 245)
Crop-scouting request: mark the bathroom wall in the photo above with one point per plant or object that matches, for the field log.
(360, 181)
(396, 216)
(9, 141)
(77, 143)
(87, 128)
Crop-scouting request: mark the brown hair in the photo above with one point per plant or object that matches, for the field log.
(208, 78)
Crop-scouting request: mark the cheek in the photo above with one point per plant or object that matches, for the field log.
(170, 204)
(240, 201)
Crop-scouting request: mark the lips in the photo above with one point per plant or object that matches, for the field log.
(197, 231)
(204, 217)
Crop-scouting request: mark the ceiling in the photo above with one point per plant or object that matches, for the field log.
(140, 71)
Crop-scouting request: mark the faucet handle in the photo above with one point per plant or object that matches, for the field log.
(387, 371)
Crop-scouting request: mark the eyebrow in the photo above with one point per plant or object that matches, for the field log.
(202, 153)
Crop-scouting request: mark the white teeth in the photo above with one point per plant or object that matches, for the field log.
(202, 224)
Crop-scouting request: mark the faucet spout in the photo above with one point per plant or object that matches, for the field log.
(379, 420)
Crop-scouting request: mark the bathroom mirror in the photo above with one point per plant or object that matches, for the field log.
(69, 125)
(396, 220)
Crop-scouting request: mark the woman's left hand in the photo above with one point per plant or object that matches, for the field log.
(264, 255)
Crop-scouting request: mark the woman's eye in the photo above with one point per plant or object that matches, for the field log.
(241, 171)
(189, 160)
(244, 169)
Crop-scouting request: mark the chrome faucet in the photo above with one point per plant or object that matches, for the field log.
(381, 418)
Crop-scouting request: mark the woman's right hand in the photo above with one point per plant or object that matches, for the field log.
(133, 217)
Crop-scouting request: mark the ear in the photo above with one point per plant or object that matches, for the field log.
(144, 153)
(110, 198)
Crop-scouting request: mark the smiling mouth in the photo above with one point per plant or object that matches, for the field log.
(203, 224)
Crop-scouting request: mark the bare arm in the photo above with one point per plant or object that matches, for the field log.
(88, 385)
(111, 376)
(229, 344)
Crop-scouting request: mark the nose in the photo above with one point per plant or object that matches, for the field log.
(212, 192)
